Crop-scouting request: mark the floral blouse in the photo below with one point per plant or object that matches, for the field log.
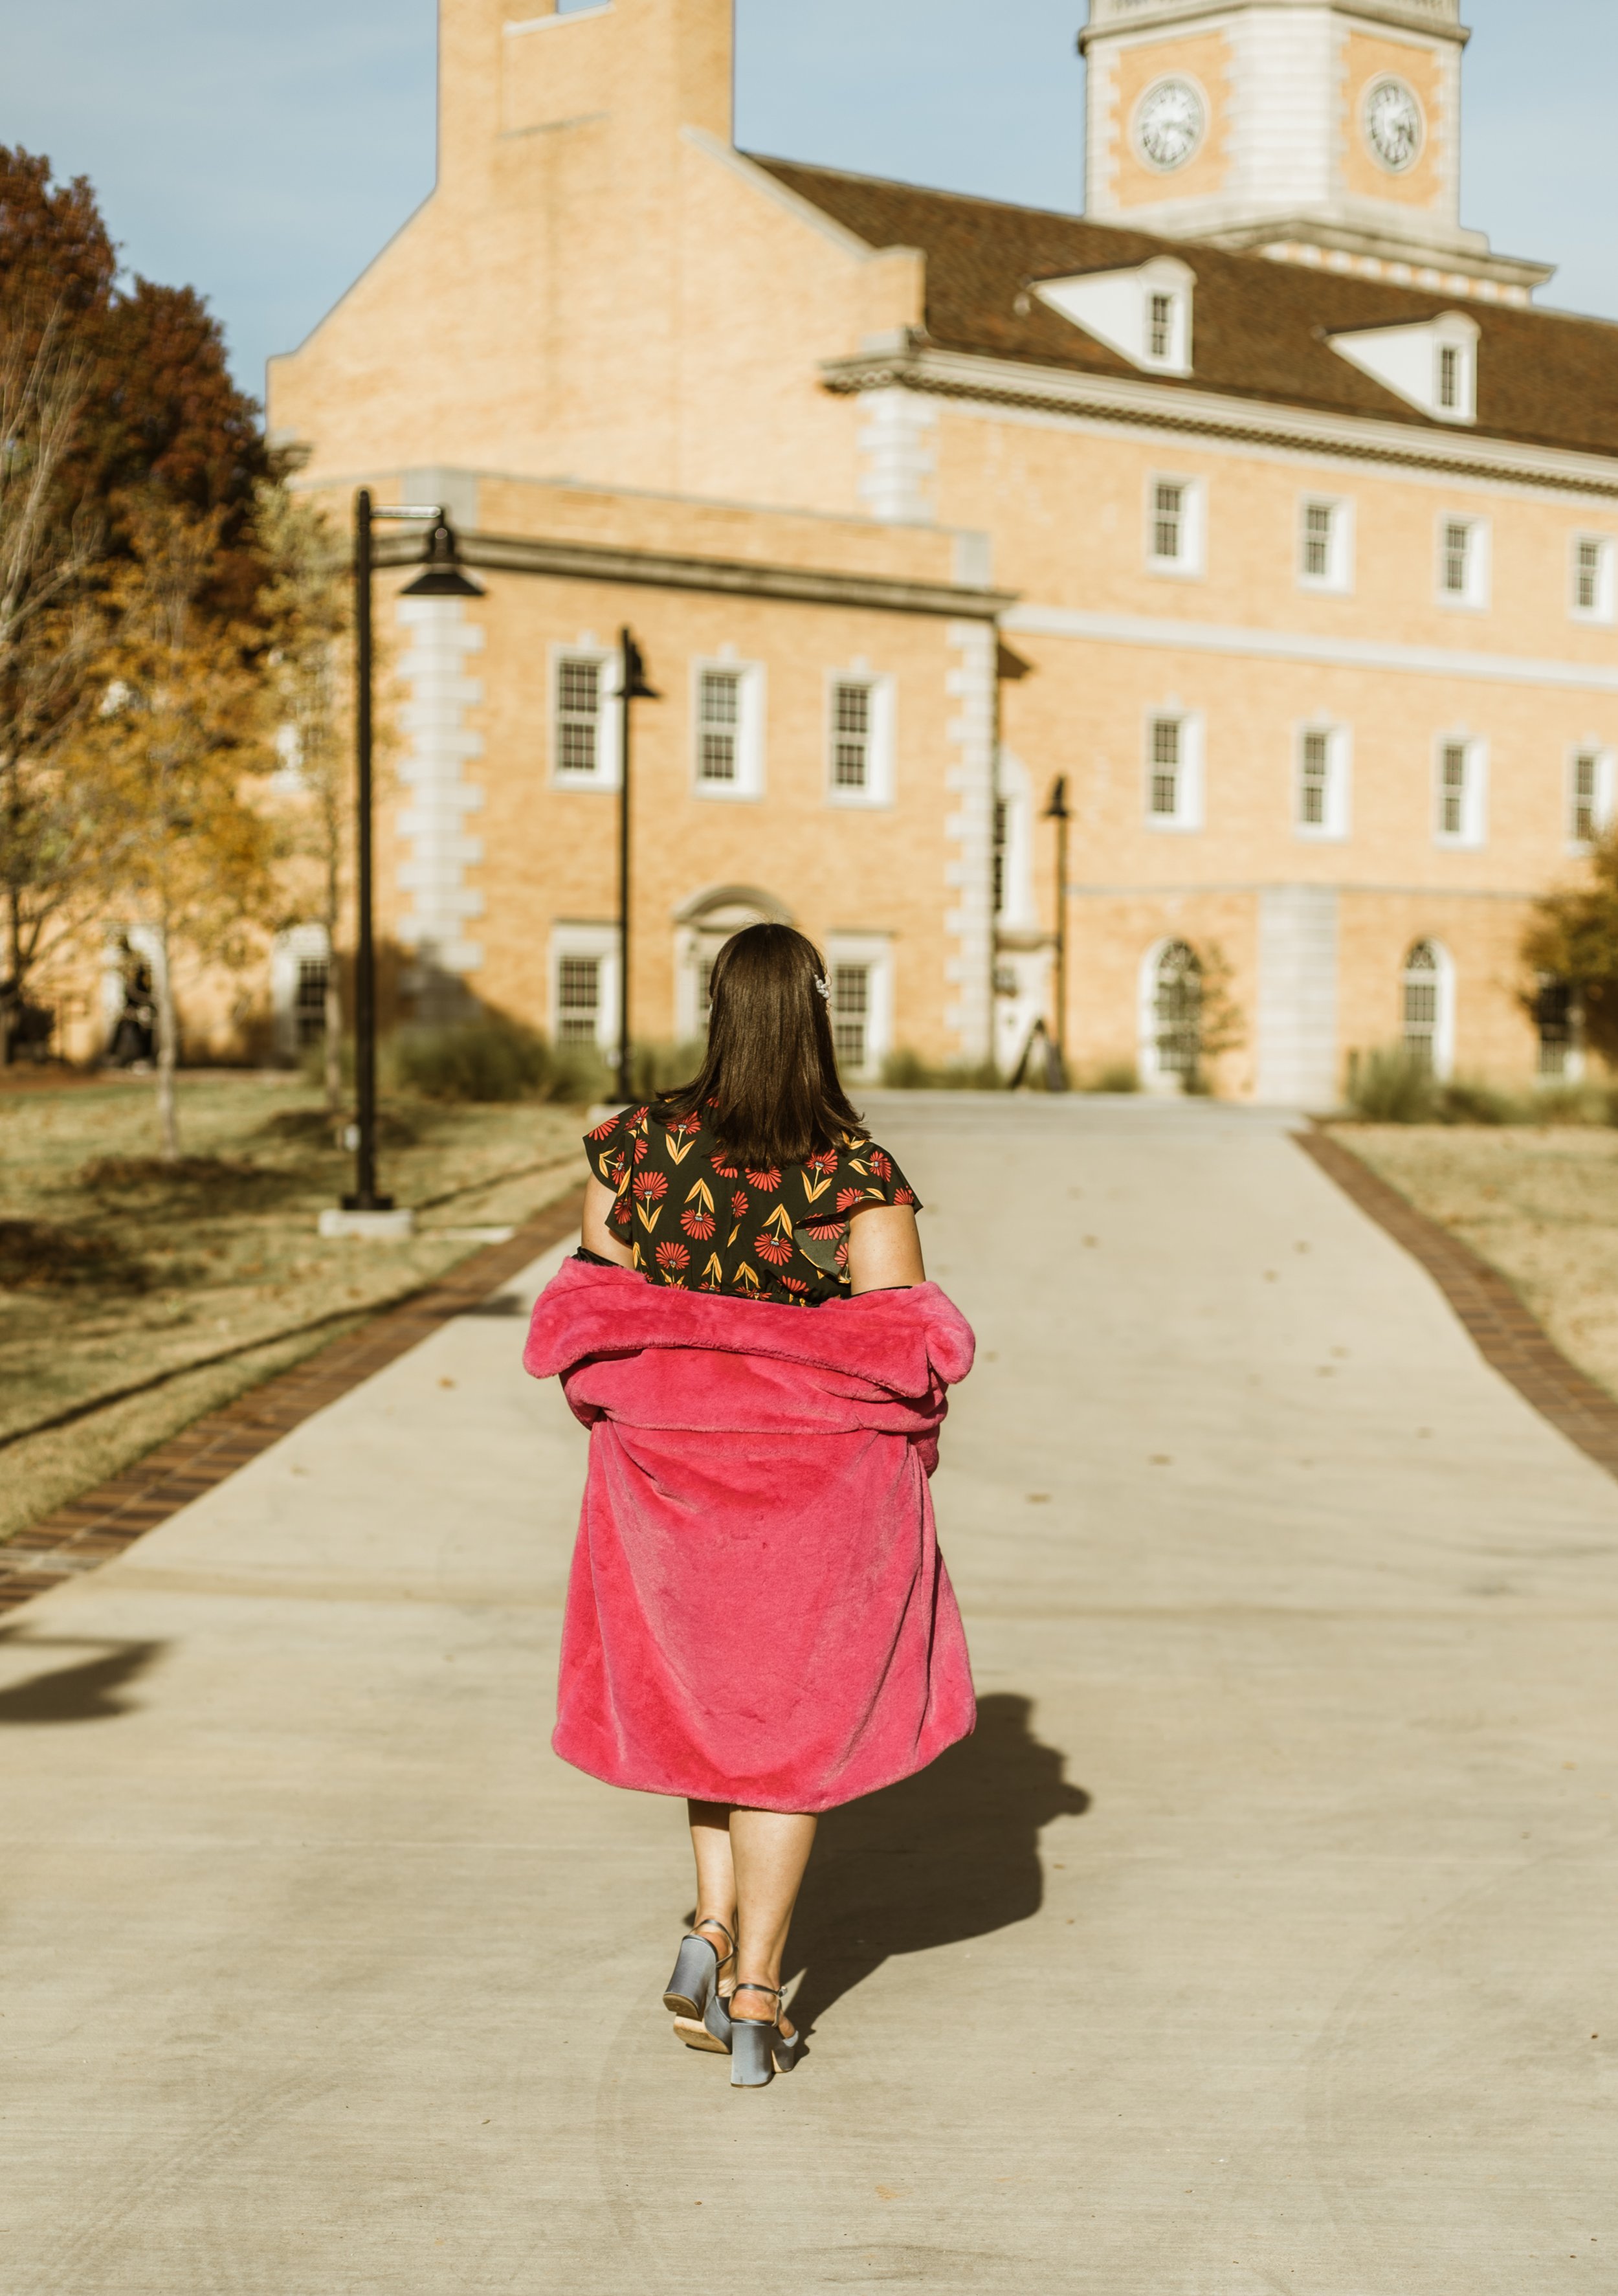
(695, 1218)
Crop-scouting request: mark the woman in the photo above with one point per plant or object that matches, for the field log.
(758, 1618)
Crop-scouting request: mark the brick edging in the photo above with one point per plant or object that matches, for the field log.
(1508, 1337)
(101, 1523)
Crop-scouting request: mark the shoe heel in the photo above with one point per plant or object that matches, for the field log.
(786, 2052)
(696, 1966)
(752, 2062)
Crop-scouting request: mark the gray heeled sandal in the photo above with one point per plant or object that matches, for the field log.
(697, 1966)
(759, 2049)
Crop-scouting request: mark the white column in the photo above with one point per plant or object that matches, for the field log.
(441, 904)
(969, 923)
(1297, 996)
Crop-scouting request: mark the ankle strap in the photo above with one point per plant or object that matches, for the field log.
(713, 1922)
(751, 1985)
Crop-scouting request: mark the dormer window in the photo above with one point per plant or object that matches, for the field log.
(1145, 313)
(1160, 332)
(1432, 365)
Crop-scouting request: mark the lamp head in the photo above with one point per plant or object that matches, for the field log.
(442, 576)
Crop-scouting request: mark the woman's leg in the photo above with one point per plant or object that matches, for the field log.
(769, 1850)
(715, 1875)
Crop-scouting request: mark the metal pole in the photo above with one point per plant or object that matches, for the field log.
(1061, 944)
(627, 681)
(364, 1198)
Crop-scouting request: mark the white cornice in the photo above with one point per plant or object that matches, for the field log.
(1165, 635)
(970, 375)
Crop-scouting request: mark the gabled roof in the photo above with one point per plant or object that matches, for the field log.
(1544, 378)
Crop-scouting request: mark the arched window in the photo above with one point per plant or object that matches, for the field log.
(1171, 1013)
(1429, 1007)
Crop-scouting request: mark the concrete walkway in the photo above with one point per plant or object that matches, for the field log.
(1259, 1941)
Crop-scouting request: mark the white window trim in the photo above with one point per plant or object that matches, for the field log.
(875, 950)
(1188, 817)
(1114, 307)
(288, 950)
(1191, 563)
(1339, 782)
(600, 942)
(1606, 790)
(1474, 833)
(1475, 598)
(1607, 585)
(879, 789)
(1338, 580)
(749, 783)
(605, 775)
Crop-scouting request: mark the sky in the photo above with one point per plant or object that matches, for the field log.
(264, 154)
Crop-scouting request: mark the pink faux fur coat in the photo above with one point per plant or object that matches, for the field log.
(758, 1612)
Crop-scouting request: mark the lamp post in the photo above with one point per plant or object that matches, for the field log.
(632, 687)
(1057, 811)
(442, 579)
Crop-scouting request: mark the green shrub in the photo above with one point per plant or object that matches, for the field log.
(905, 1070)
(1466, 1101)
(659, 1068)
(492, 1058)
(1573, 1104)
(1115, 1076)
(1387, 1087)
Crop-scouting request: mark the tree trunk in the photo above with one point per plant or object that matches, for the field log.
(163, 987)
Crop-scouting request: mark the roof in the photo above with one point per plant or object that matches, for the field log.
(1544, 378)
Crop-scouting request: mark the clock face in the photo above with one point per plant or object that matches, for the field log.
(1169, 123)
(1393, 127)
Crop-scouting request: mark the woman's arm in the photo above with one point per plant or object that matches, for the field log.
(597, 1235)
(884, 1249)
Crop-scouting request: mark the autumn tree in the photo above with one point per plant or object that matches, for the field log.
(307, 613)
(102, 393)
(1572, 937)
(174, 761)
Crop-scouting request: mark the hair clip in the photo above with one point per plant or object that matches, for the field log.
(823, 987)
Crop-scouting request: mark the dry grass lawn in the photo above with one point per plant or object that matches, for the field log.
(1541, 1205)
(114, 1269)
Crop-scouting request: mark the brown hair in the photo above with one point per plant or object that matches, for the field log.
(770, 1078)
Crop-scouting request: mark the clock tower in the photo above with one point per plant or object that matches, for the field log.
(1316, 131)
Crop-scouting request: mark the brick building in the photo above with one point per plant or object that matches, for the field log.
(1261, 503)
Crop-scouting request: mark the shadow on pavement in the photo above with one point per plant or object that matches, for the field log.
(85, 1693)
(951, 1853)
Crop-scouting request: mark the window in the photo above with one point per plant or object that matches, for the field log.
(1590, 795)
(1160, 327)
(1592, 578)
(719, 725)
(1558, 1023)
(1457, 557)
(859, 715)
(728, 710)
(1173, 779)
(1166, 767)
(1174, 526)
(1463, 568)
(309, 998)
(1174, 1046)
(1459, 812)
(1449, 376)
(578, 999)
(851, 1015)
(584, 752)
(1314, 781)
(1421, 1001)
(584, 985)
(1168, 521)
(1002, 818)
(1323, 544)
(1321, 787)
(850, 736)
